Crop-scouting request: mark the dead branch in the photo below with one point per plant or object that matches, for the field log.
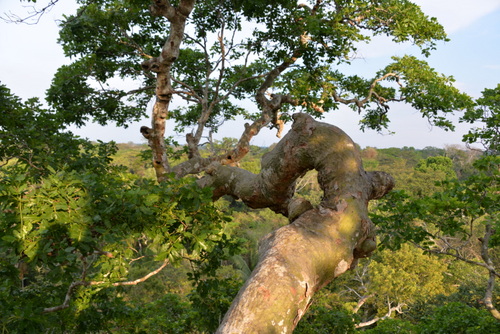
(361, 302)
(397, 308)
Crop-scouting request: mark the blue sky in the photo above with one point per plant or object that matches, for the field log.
(30, 56)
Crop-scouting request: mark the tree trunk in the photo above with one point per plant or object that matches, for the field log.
(320, 243)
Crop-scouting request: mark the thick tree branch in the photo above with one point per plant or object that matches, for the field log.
(162, 66)
(275, 185)
(321, 243)
(197, 164)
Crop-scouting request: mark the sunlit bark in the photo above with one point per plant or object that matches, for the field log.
(321, 243)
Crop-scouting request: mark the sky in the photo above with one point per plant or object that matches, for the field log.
(30, 55)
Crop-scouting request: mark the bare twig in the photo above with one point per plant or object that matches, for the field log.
(35, 14)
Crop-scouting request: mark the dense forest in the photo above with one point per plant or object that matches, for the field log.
(422, 293)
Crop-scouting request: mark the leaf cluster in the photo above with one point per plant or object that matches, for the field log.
(94, 228)
(487, 113)
(230, 46)
(33, 139)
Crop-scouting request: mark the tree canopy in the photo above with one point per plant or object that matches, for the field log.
(282, 56)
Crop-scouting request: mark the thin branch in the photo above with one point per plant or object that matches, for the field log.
(397, 308)
(191, 91)
(138, 90)
(74, 285)
(136, 259)
(488, 296)
(223, 61)
(137, 281)
(361, 302)
(371, 92)
(67, 298)
(133, 44)
(457, 256)
(36, 14)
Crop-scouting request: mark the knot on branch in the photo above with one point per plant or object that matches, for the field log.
(151, 65)
(159, 8)
(212, 168)
(381, 184)
(365, 248)
(297, 207)
(278, 123)
(146, 132)
(277, 100)
(303, 123)
(192, 144)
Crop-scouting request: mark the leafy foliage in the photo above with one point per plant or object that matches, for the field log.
(83, 233)
(451, 212)
(326, 320)
(459, 318)
(416, 276)
(109, 39)
(488, 113)
(32, 140)
(393, 326)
